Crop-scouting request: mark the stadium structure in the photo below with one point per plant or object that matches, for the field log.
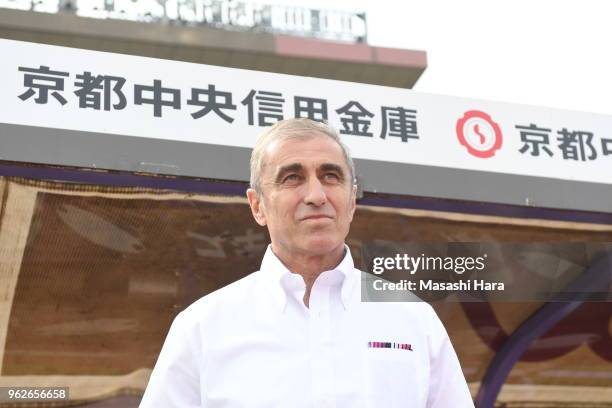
(104, 237)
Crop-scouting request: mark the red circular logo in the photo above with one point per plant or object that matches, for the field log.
(480, 135)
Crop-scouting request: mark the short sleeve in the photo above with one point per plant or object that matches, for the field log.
(175, 380)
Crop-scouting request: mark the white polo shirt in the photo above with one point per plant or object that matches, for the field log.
(254, 344)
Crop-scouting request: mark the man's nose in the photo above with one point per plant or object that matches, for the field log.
(315, 192)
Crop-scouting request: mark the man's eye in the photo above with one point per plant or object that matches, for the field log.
(333, 177)
(291, 178)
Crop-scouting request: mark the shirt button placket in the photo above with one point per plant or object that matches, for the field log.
(321, 348)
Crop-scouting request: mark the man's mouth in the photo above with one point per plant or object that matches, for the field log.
(316, 217)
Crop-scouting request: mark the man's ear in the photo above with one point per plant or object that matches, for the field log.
(353, 203)
(256, 204)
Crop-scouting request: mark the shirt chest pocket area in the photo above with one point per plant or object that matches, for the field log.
(395, 377)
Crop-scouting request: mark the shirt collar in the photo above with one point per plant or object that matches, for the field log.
(281, 280)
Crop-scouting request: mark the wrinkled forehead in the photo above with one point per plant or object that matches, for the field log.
(306, 150)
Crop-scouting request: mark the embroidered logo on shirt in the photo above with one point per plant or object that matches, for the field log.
(382, 344)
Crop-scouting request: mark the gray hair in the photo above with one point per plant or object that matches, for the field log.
(293, 129)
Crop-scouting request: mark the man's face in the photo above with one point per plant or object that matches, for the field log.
(308, 195)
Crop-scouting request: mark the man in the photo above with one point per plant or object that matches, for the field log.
(295, 333)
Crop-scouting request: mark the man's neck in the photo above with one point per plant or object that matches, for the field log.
(310, 266)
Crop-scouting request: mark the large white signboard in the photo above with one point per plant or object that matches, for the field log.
(67, 88)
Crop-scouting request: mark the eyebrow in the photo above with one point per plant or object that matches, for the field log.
(297, 167)
(333, 167)
(294, 167)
